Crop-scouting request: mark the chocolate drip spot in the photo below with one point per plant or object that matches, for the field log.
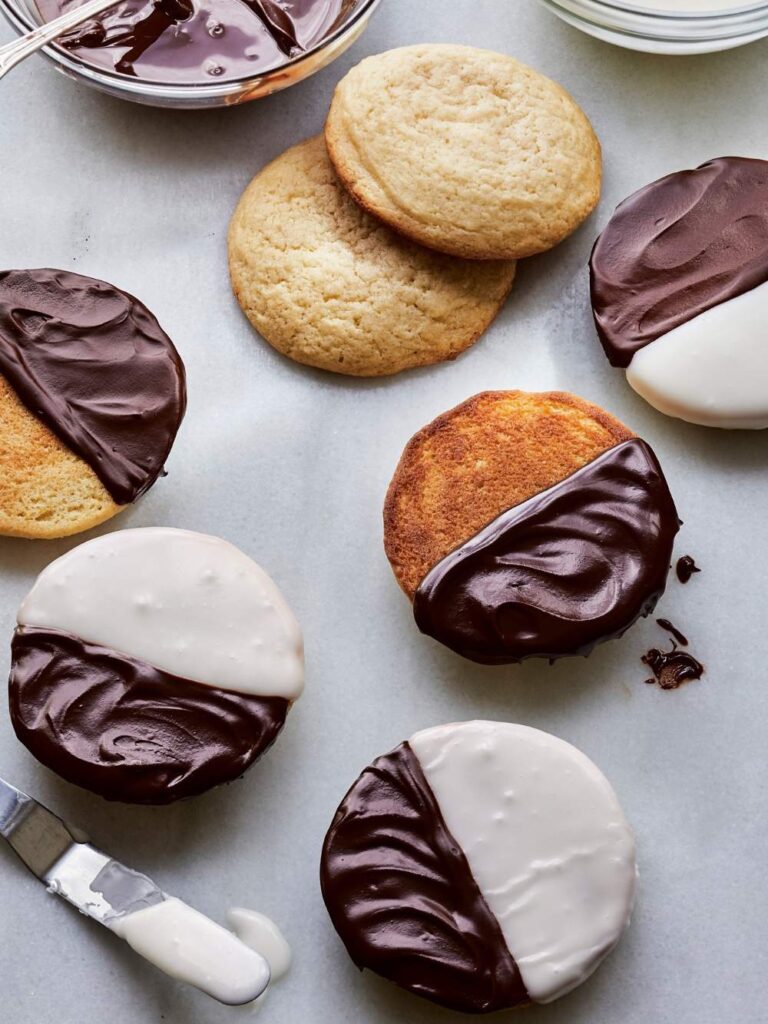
(94, 365)
(402, 896)
(126, 730)
(676, 248)
(674, 631)
(560, 572)
(672, 668)
(685, 568)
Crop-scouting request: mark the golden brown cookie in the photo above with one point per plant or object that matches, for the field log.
(92, 392)
(528, 525)
(329, 286)
(491, 452)
(46, 491)
(467, 151)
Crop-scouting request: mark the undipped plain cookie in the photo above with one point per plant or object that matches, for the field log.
(464, 150)
(328, 285)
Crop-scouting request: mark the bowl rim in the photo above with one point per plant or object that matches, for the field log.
(658, 14)
(17, 14)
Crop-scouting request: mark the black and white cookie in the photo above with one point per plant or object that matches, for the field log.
(482, 865)
(151, 664)
(680, 293)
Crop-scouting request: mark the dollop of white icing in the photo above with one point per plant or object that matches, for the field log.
(190, 947)
(545, 839)
(187, 603)
(260, 932)
(712, 370)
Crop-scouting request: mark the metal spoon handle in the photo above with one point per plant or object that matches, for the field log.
(13, 53)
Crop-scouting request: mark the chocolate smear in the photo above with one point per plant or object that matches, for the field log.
(666, 624)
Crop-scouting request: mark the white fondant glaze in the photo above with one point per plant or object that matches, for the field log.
(545, 838)
(187, 603)
(262, 934)
(712, 370)
(191, 947)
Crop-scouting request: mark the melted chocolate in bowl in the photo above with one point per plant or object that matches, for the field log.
(198, 41)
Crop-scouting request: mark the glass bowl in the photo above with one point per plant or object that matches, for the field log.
(640, 27)
(23, 17)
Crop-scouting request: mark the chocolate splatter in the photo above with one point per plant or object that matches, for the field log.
(685, 568)
(666, 624)
(672, 668)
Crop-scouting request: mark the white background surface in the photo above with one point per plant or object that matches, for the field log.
(292, 465)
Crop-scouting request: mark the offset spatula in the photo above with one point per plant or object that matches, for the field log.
(182, 942)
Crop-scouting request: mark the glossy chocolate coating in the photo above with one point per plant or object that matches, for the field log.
(676, 248)
(199, 41)
(95, 366)
(402, 896)
(559, 573)
(126, 730)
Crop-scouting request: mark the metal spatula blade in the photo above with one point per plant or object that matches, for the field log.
(109, 892)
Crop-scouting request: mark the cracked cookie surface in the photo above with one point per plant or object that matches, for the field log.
(464, 150)
(328, 285)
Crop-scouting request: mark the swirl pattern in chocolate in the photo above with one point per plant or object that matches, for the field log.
(402, 896)
(95, 366)
(126, 730)
(561, 572)
(676, 248)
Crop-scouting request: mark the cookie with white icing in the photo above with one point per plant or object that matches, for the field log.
(679, 282)
(92, 392)
(482, 865)
(528, 525)
(151, 664)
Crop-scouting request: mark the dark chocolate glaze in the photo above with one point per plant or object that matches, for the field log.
(557, 574)
(95, 366)
(126, 730)
(199, 41)
(685, 568)
(402, 896)
(673, 631)
(678, 247)
(672, 668)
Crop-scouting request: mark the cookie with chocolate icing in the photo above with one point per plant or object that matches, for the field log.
(92, 392)
(329, 286)
(679, 281)
(466, 151)
(481, 865)
(152, 664)
(528, 525)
